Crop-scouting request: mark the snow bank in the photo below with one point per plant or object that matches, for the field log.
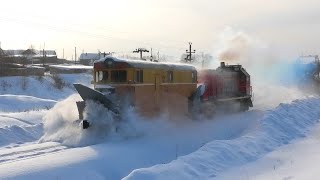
(20, 127)
(69, 67)
(297, 160)
(20, 134)
(42, 87)
(18, 103)
(276, 128)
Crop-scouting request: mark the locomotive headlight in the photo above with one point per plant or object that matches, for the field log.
(108, 61)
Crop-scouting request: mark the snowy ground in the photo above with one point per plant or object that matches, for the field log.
(277, 139)
(297, 160)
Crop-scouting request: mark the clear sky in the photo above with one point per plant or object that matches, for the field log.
(291, 26)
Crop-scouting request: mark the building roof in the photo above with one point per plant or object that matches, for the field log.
(48, 53)
(29, 52)
(147, 64)
(33, 52)
(71, 67)
(13, 52)
(91, 56)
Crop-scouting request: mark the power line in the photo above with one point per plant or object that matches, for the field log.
(140, 50)
(188, 58)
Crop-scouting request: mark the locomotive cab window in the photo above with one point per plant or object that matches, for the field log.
(102, 76)
(194, 77)
(170, 76)
(118, 76)
(139, 76)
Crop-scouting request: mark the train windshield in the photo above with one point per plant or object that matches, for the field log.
(102, 76)
(118, 76)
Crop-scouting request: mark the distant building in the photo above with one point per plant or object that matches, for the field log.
(89, 58)
(11, 69)
(69, 69)
(30, 56)
(1, 53)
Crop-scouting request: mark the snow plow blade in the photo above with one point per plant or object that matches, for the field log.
(87, 93)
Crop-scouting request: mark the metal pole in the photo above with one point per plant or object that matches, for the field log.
(75, 55)
(43, 57)
(190, 51)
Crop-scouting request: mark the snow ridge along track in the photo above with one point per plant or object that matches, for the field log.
(277, 127)
(17, 119)
(21, 152)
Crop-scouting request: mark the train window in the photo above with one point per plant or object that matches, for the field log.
(194, 77)
(119, 76)
(169, 76)
(102, 76)
(105, 76)
(97, 76)
(139, 76)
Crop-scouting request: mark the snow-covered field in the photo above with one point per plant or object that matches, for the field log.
(277, 139)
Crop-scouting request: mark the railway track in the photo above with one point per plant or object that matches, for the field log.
(20, 152)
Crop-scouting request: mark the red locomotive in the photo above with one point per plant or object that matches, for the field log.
(226, 88)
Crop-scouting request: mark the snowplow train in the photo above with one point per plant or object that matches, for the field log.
(159, 87)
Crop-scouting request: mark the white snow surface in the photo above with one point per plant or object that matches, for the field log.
(69, 67)
(275, 128)
(42, 87)
(277, 139)
(296, 160)
(24, 103)
(149, 64)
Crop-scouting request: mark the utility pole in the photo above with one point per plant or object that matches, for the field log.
(188, 58)
(44, 53)
(140, 50)
(202, 60)
(151, 57)
(75, 55)
(43, 57)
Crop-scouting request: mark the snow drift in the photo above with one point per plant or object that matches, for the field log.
(17, 134)
(23, 103)
(276, 128)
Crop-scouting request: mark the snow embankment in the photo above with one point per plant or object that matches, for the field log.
(18, 103)
(55, 87)
(21, 127)
(278, 127)
(20, 134)
(297, 160)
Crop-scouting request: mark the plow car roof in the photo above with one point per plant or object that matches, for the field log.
(147, 64)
